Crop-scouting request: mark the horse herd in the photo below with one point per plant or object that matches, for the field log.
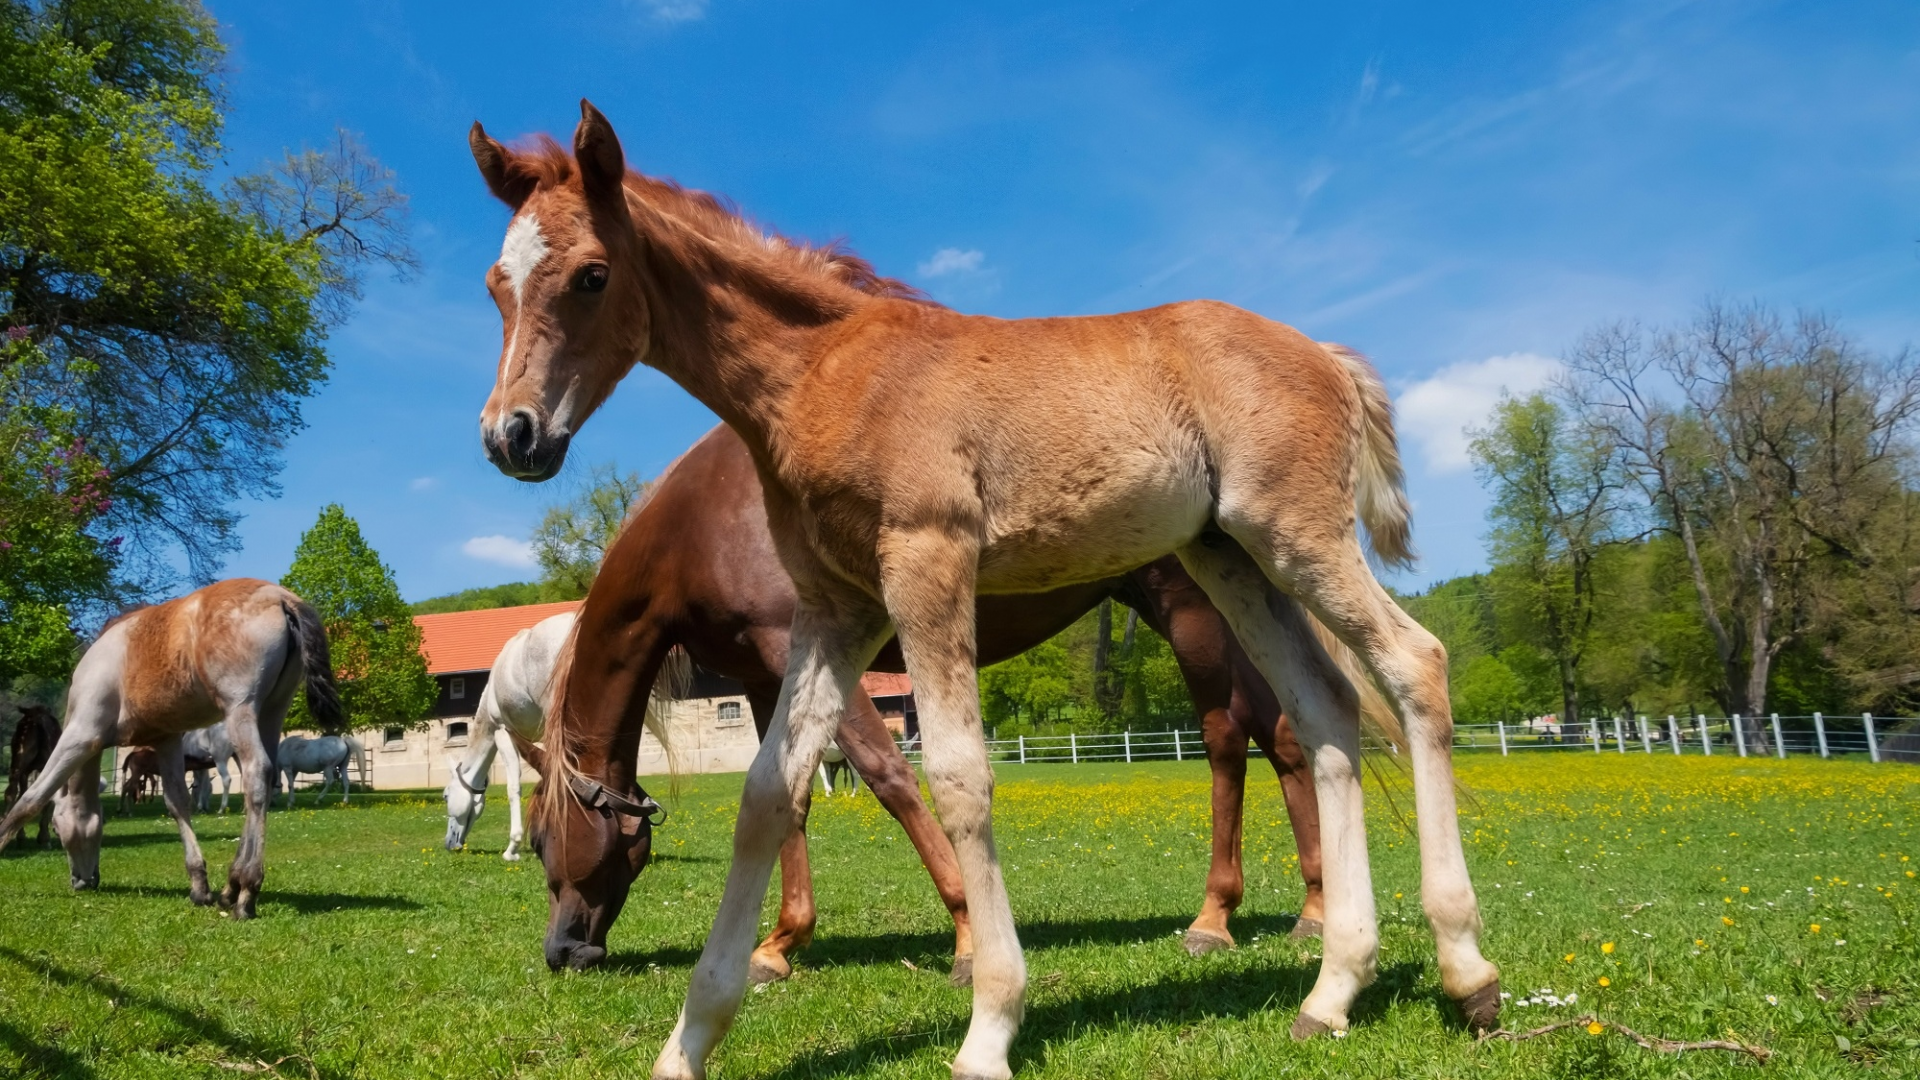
(896, 486)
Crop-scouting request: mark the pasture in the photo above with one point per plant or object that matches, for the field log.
(1679, 897)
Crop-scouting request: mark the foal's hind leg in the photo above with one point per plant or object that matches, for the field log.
(248, 870)
(173, 787)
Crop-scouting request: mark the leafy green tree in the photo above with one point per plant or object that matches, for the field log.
(574, 535)
(375, 643)
(512, 594)
(1485, 691)
(51, 490)
(179, 323)
(1030, 689)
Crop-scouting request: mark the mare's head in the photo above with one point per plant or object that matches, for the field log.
(591, 855)
(466, 801)
(573, 311)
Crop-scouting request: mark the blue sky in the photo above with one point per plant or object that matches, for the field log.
(1457, 190)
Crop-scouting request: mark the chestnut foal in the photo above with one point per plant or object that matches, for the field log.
(236, 650)
(914, 457)
(694, 567)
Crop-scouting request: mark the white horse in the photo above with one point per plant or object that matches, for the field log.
(327, 755)
(513, 703)
(210, 743)
(833, 762)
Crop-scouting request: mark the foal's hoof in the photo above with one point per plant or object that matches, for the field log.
(765, 968)
(962, 974)
(584, 957)
(200, 897)
(1202, 942)
(1481, 1009)
(85, 884)
(1306, 1027)
(1304, 929)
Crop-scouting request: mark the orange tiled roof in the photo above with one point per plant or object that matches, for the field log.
(885, 684)
(470, 640)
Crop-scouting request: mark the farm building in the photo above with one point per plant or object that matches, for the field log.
(711, 729)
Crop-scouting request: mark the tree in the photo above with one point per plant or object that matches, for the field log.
(1784, 470)
(179, 325)
(1553, 510)
(573, 537)
(374, 640)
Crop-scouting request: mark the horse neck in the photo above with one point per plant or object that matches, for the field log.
(737, 324)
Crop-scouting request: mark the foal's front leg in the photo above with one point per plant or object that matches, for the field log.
(831, 646)
(929, 577)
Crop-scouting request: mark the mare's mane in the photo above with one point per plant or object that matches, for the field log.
(543, 162)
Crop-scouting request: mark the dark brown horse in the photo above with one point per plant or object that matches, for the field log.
(695, 567)
(33, 740)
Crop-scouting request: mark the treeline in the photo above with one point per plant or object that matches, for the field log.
(1718, 516)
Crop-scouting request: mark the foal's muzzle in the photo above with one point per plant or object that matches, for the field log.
(520, 446)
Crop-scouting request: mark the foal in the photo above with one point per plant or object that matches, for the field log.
(914, 457)
(237, 650)
(33, 740)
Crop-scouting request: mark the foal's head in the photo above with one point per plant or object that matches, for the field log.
(575, 318)
(591, 857)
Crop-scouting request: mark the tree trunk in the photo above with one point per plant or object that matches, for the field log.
(1102, 649)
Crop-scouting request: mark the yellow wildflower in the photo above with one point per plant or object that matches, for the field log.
(1726, 920)
(1569, 958)
(1595, 1028)
(1604, 981)
(1814, 929)
(1606, 946)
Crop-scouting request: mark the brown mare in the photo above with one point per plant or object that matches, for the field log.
(33, 740)
(235, 650)
(695, 567)
(915, 457)
(141, 777)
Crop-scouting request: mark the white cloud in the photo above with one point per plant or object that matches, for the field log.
(424, 483)
(1435, 413)
(673, 11)
(504, 550)
(950, 261)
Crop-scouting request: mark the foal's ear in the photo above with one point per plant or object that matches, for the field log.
(603, 167)
(508, 184)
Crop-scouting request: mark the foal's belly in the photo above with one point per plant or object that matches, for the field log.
(1086, 532)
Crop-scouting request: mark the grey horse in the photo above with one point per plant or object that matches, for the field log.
(327, 755)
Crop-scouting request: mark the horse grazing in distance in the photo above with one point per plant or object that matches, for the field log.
(33, 739)
(512, 710)
(914, 458)
(327, 756)
(141, 772)
(693, 573)
(237, 649)
(208, 750)
(833, 762)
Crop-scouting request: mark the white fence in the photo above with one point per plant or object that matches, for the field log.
(1774, 736)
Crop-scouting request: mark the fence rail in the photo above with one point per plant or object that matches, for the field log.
(1770, 736)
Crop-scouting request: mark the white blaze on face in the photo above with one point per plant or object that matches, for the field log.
(519, 255)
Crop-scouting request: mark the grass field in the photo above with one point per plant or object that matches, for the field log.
(1679, 897)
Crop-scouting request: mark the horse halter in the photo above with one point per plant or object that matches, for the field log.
(465, 783)
(597, 796)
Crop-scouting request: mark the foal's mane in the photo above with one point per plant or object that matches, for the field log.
(545, 163)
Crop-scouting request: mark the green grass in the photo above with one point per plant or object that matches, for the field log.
(379, 955)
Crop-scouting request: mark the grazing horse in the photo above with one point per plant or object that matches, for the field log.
(141, 772)
(694, 571)
(914, 458)
(208, 750)
(237, 649)
(33, 740)
(833, 762)
(327, 755)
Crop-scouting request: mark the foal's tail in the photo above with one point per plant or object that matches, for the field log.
(323, 698)
(1379, 481)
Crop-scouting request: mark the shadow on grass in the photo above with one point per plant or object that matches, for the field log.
(1178, 999)
(322, 903)
(39, 1057)
(203, 1027)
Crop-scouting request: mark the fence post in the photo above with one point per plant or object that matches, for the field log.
(1073, 746)
(1673, 733)
(1706, 744)
(1779, 744)
(1646, 736)
(1126, 743)
(1739, 736)
(1176, 744)
(1502, 725)
(1820, 733)
(1619, 740)
(1873, 744)
(1023, 749)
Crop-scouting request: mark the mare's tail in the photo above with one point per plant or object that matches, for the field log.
(323, 698)
(1379, 481)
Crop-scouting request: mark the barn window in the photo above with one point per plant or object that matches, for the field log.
(457, 689)
(457, 732)
(393, 738)
(729, 712)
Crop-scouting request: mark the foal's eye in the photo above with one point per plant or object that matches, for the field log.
(592, 278)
